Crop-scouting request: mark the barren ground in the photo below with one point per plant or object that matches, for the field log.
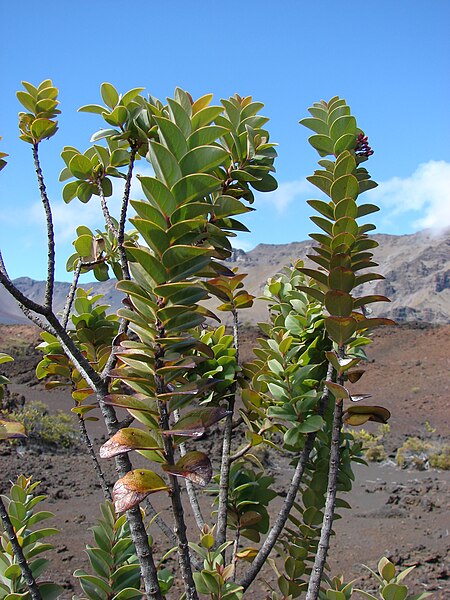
(402, 514)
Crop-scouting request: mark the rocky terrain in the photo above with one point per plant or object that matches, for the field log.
(402, 514)
(416, 269)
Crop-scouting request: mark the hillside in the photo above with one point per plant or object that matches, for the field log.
(416, 269)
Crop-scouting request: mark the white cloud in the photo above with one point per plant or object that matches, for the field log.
(426, 192)
(286, 193)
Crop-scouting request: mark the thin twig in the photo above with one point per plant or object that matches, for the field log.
(191, 491)
(71, 295)
(97, 468)
(18, 553)
(240, 453)
(283, 515)
(224, 481)
(123, 213)
(50, 231)
(325, 534)
(106, 214)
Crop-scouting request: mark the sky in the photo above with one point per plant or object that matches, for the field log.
(389, 59)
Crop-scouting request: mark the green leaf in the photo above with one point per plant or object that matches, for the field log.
(43, 128)
(267, 184)
(195, 187)
(128, 594)
(311, 424)
(322, 143)
(386, 569)
(164, 163)
(83, 245)
(345, 142)
(339, 303)
(92, 108)
(317, 125)
(205, 116)
(346, 186)
(172, 137)
(80, 166)
(202, 159)
(176, 255)
(205, 136)
(345, 125)
(323, 183)
(340, 329)
(109, 95)
(158, 194)
(27, 101)
(150, 264)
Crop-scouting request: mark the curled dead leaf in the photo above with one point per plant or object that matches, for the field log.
(136, 485)
(194, 466)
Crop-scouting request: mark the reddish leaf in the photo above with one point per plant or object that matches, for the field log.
(133, 402)
(195, 423)
(338, 391)
(134, 487)
(194, 466)
(128, 438)
(340, 329)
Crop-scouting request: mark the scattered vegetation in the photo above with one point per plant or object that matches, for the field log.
(55, 430)
(421, 454)
(373, 448)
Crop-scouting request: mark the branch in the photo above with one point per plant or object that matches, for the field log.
(191, 491)
(283, 515)
(224, 482)
(71, 295)
(17, 294)
(50, 231)
(325, 534)
(18, 553)
(123, 214)
(97, 468)
(177, 506)
(107, 215)
(240, 453)
(324, 542)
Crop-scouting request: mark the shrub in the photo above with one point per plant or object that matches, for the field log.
(422, 454)
(373, 448)
(56, 430)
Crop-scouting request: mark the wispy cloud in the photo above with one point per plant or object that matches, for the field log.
(286, 193)
(425, 194)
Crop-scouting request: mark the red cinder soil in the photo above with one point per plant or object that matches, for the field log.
(402, 514)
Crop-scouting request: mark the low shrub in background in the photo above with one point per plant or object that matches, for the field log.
(55, 429)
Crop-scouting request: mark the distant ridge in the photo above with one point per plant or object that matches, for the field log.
(416, 268)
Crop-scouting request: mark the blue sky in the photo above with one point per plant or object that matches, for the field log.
(389, 59)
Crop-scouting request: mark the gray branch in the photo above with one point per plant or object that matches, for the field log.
(325, 534)
(71, 295)
(224, 481)
(191, 491)
(50, 231)
(18, 553)
(90, 448)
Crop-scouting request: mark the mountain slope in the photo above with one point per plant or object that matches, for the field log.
(416, 269)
